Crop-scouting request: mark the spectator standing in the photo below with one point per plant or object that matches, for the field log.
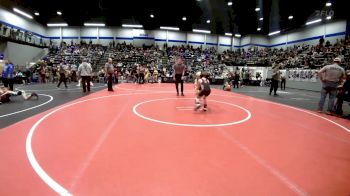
(276, 75)
(62, 73)
(85, 72)
(343, 95)
(246, 77)
(8, 75)
(141, 74)
(331, 76)
(236, 80)
(109, 71)
(283, 80)
(42, 71)
(179, 72)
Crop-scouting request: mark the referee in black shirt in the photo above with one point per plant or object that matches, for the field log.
(179, 70)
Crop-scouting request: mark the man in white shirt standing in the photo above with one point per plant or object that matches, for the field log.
(331, 76)
(85, 72)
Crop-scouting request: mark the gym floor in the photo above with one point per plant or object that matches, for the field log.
(144, 140)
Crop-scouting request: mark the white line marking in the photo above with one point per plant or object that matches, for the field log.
(279, 92)
(192, 125)
(97, 146)
(121, 88)
(37, 168)
(20, 111)
(185, 107)
(287, 106)
(30, 154)
(248, 91)
(265, 164)
(299, 99)
(57, 89)
(283, 92)
(158, 86)
(303, 94)
(302, 110)
(59, 188)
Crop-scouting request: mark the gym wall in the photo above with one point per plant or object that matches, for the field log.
(21, 55)
(311, 34)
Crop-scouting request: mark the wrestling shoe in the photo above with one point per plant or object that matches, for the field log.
(197, 106)
(205, 108)
(35, 95)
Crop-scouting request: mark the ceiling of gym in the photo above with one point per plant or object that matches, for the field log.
(240, 17)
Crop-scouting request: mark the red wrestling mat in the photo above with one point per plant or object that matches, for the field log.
(144, 140)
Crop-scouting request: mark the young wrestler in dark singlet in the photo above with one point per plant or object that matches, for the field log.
(202, 88)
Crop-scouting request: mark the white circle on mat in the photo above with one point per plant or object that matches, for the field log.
(249, 115)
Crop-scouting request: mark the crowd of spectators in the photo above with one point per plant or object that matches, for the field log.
(297, 56)
(128, 59)
(20, 35)
(73, 53)
(151, 64)
(65, 57)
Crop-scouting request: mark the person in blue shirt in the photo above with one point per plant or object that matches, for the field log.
(8, 74)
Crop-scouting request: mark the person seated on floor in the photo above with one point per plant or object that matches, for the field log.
(147, 76)
(155, 76)
(227, 86)
(343, 95)
(5, 95)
